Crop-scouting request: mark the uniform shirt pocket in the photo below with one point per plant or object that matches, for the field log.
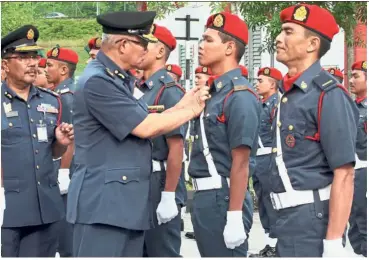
(123, 175)
(15, 132)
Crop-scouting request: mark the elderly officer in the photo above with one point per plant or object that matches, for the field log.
(41, 80)
(93, 47)
(336, 73)
(35, 136)
(61, 65)
(108, 197)
(313, 156)
(174, 71)
(225, 138)
(358, 217)
(267, 88)
(161, 90)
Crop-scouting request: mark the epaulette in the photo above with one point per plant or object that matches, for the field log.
(108, 71)
(64, 91)
(240, 87)
(49, 91)
(325, 81)
(168, 82)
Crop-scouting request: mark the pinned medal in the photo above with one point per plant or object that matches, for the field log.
(290, 141)
(7, 107)
(303, 85)
(156, 109)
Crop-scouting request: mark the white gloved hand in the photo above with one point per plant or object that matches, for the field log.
(63, 179)
(167, 208)
(334, 248)
(234, 231)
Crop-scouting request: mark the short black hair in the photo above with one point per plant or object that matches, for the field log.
(167, 52)
(240, 47)
(325, 44)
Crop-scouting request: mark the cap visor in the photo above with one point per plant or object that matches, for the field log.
(28, 48)
(149, 37)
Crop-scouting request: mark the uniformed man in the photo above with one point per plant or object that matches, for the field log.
(167, 183)
(244, 72)
(225, 138)
(336, 73)
(41, 80)
(267, 87)
(108, 198)
(313, 156)
(93, 47)
(174, 71)
(34, 136)
(358, 218)
(61, 65)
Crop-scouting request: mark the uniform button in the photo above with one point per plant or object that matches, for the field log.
(34, 136)
(51, 122)
(207, 114)
(284, 100)
(320, 215)
(226, 198)
(290, 127)
(235, 77)
(279, 124)
(274, 150)
(196, 137)
(29, 106)
(116, 72)
(124, 178)
(10, 124)
(38, 183)
(31, 120)
(36, 151)
(37, 167)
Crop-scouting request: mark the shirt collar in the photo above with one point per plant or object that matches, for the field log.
(64, 84)
(220, 82)
(304, 80)
(111, 66)
(156, 78)
(272, 97)
(360, 100)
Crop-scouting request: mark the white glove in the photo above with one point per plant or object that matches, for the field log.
(63, 179)
(3, 204)
(234, 231)
(334, 248)
(167, 208)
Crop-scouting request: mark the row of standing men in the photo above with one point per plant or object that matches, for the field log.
(115, 167)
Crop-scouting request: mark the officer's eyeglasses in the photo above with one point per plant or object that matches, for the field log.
(25, 58)
(142, 43)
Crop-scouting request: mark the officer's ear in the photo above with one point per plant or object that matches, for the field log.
(64, 70)
(313, 44)
(4, 65)
(161, 50)
(230, 48)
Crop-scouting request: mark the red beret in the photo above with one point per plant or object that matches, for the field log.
(335, 72)
(270, 72)
(229, 24)
(244, 71)
(94, 43)
(165, 36)
(203, 70)
(63, 54)
(312, 17)
(42, 63)
(359, 65)
(174, 69)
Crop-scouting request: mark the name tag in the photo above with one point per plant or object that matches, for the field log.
(42, 133)
(12, 114)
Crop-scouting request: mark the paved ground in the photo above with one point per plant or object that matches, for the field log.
(256, 241)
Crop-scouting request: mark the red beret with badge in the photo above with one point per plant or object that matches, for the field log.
(94, 43)
(63, 54)
(359, 65)
(42, 63)
(203, 70)
(244, 71)
(313, 18)
(229, 24)
(335, 72)
(270, 72)
(175, 69)
(164, 36)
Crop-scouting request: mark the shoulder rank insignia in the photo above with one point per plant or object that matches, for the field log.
(108, 71)
(8, 95)
(239, 88)
(63, 91)
(303, 85)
